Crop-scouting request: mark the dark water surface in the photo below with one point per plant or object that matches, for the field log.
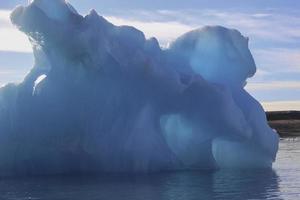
(283, 182)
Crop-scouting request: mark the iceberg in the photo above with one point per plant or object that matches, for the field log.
(103, 98)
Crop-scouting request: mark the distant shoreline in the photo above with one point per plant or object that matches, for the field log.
(286, 123)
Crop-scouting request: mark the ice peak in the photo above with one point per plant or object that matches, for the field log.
(93, 12)
(55, 9)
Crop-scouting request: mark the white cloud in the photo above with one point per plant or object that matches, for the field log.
(273, 85)
(272, 27)
(278, 59)
(11, 38)
(269, 25)
(281, 105)
(3, 16)
(165, 32)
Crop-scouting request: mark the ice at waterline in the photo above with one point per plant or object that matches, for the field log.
(102, 98)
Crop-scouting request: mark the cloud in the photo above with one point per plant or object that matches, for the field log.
(3, 17)
(11, 38)
(281, 105)
(274, 85)
(278, 59)
(165, 32)
(268, 25)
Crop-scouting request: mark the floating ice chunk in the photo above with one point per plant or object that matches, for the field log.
(104, 98)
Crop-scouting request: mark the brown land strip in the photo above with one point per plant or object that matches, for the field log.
(286, 123)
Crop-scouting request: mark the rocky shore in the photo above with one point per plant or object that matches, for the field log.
(286, 123)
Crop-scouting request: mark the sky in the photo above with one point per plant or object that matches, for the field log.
(273, 27)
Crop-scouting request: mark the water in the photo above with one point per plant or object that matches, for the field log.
(283, 182)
